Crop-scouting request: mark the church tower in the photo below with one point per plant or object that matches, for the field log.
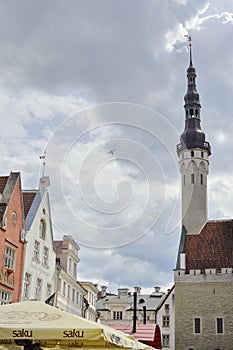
(193, 152)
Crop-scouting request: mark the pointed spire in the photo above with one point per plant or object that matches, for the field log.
(193, 136)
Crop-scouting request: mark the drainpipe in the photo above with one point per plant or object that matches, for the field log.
(144, 314)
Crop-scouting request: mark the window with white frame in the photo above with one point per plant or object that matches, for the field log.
(68, 291)
(70, 264)
(9, 257)
(165, 340)
(64, 289)
(36, 251)
(27, 284)
(5, 297)
(38, 289)
(42, 229)
(46, 256)
(73, 295)
(166, 321)
(75, 269)
(117, 315)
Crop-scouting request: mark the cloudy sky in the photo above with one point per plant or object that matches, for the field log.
(80, 78)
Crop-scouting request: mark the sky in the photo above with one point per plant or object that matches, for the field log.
(82, 78)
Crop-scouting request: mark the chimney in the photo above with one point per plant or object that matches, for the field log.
(122, 292)
(157, 289)
(137, 290)
(103, 291)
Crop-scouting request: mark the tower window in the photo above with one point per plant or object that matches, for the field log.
(202, 154)
(191, 112)
(192, 153)
(192, 178)
(184, 179)
(197, 325)
(219, 325)
(201, 179)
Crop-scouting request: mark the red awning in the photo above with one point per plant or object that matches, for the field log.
(148, 334)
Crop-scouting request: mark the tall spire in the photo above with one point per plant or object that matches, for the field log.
(193, 136)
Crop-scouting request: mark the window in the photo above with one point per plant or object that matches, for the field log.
(9, 257)
(77, 297)
(64, 288)
(70, 264)
(75, 269)
(192, 153)
(166, 321)
(192, 178)
(42, 229)
(27, 283)
(197, 325)
(202, 154)
(14, 217)
(36, 252)
(68, 291)
(5, 297)
(49, 289)
(117, 315)
(73, 295)
(165, 340)
(219, 325)
(38, 289)
(184, 179)
(201, 179)
(45, 256)
(166, 306)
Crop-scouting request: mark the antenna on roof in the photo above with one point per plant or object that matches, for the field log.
(42, 157)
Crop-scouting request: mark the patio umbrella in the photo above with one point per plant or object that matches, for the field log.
(36, 325)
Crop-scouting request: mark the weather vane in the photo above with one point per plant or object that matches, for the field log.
(42, 157)
(189, 39)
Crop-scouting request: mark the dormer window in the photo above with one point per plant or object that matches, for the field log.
(42, 229)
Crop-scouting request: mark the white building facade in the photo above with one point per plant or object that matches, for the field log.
(39, 255)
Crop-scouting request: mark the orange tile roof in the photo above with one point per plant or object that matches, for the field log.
(212, 248)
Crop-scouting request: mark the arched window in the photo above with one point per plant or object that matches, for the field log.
(192, 178)
(42, 229)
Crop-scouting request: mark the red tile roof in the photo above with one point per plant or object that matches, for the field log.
(28, 197)
(3, 181)
(212, 248)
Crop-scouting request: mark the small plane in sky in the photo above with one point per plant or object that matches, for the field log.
(112, 151)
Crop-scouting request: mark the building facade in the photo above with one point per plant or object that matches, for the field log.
(69, 292)
(165, 318)
(119, 308)
(90, 312)
(203, 274)
(39, 255)
(11, 244)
